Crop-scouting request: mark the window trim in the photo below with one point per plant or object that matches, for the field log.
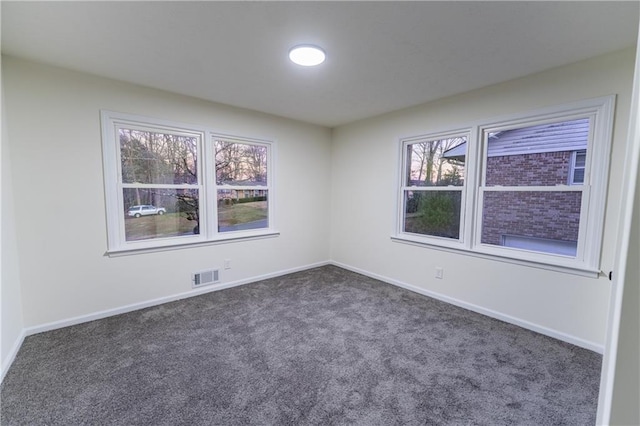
(207, 186)
(587, 261)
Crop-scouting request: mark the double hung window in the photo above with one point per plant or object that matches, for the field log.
(433, 187)
(530, 187)
(241, 181)
(159, 173)
(170, 184)
(526, 203)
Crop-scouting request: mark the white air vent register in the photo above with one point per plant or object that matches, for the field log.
(202, 278)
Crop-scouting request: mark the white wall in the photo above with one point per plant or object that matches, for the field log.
(10, 296)
(58, 191)
(626, 393)
(364, 171)
(626, 389)
(338, 204)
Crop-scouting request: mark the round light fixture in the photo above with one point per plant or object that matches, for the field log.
(307, 55)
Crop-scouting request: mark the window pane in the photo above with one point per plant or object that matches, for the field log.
(158, 158)
(578, 176)
(437, 162)
(544, 219)
(160, 213)
(566, 248)
(581, 158)
(240, 164)
(579, 167)
(536, 155)
(241, 209)
(435, 213)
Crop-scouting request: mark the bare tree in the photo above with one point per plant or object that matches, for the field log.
(428, 162)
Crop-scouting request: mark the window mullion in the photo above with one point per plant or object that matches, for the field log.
(472, 181)
(432, 188)
(209, 179)
(159, 186)
(557, 188)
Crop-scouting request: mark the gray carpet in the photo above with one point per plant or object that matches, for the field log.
(324, 346)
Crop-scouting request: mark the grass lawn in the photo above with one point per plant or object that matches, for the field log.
(175, 224)
(242, 213)
(414, 224)
(167, 225)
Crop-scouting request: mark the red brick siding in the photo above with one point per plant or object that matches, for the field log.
(539, 169)
(549, 215)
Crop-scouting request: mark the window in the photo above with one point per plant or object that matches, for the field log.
(241, 173)
(523, 191)
(434, 186)
(578, 162)
(530, 187)
(158, 174)
(170, 184)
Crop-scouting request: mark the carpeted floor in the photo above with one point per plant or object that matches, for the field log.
(324, 346)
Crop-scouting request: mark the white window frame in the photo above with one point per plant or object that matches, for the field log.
(404, 187)
(214, 187)
(207, 188)
(594, 189)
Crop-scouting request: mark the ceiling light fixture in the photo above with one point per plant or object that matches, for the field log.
(307, 55)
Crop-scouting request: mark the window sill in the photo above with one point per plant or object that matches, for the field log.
(574, 270)
(220, 240)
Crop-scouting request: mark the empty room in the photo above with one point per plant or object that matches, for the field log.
(309, 213)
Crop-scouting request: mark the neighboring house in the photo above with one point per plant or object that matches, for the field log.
(544, 155)
(236, 192)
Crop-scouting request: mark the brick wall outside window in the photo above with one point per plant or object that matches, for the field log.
(538, 169)
(548, 215)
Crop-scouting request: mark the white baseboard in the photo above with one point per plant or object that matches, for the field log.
(159, 301)
(12, 355)
(154, 302)
(484, 311)
(134, 307)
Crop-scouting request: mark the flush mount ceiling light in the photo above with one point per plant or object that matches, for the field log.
(307, 55)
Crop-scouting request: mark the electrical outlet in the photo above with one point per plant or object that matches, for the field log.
(439, 273)
(227, 264)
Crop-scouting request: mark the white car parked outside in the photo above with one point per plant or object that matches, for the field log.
(145, 210)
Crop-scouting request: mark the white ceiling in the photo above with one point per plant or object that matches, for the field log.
(381, 56)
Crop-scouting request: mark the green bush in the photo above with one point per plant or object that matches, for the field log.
(413, 202)
(438, 215)
(188, 206)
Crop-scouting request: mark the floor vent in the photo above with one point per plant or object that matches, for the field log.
(202, 278)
